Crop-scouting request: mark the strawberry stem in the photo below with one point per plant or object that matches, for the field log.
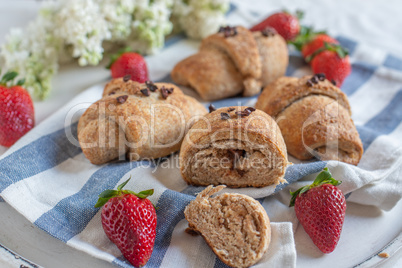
(108, 194)
(325, 177)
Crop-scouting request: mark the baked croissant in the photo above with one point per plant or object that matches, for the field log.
(314, 117)
(232, 61)
(142, 121)
(236, 146)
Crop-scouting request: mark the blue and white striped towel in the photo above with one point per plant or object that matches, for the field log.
(46, 177)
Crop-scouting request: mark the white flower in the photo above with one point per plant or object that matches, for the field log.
(81, 26)
(151, 24)
(118, 16)
(82, 29)
(200, 18)
(33, 53)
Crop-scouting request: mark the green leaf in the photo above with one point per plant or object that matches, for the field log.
(109, 193)
(8, 77)
(324, 177)
(299, 14)
(304, 189)
(101, 202)
(305, 35)
(21, 82)
(145, 194)
(120, 187)
(342, 52)
(294, 196)
(142, 194)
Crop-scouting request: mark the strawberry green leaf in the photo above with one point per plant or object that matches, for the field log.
(101, 202)
(325, 177)
(306, 35)
(304, 189)
(120, 187)
(146, 193)
(109, 193)
(21, 82)
(142, 194)
(8, 77)
(299, 14)
(342, 52)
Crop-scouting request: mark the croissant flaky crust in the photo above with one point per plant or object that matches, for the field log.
(236, 146)
(137, 121)
(227, 65)
(314, 117)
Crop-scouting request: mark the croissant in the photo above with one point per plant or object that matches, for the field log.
(235, 146)
(314, 117)
(142, 121)
(233, 61)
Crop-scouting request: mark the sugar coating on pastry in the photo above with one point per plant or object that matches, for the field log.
(233, 147)
(235, 226)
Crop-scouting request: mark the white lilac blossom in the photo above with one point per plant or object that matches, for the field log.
(200, 18)
(151, 24)
(33, 53)
(83, 30)
(84, 38)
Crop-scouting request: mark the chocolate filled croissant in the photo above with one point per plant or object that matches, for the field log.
(137, 121)
(235, 146)
(233, 61)
(314, 117)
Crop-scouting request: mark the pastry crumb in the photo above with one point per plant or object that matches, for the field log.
(192, 232)
(383, 255)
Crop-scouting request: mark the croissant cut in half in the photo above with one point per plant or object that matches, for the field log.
(314, 117)
(136, 121)
(232, 61)
(235, 146)
(235, 226)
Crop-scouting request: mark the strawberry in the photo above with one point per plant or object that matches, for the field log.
(129, 63)
(331, 60)
(320, 208)
(317, 43)
(16, 110)
(129, 221)
(284, 23)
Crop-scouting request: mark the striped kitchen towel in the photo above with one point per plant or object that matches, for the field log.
(46, 177)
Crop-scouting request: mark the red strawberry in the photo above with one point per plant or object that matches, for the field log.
(129, 220)
(16, 110)
(320, 208)
(284, 23)
(333, 61)
(317, 43)
(129, 63)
